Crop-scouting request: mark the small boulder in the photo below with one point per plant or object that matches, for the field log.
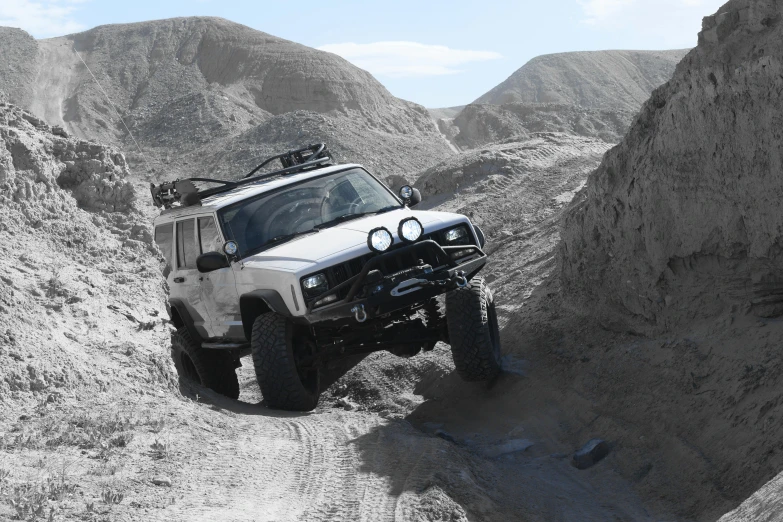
(161, 481)
(347, 405)
(590, 454)
(57, 130)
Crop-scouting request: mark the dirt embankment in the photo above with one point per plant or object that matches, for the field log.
(682, 219)
(674, 243)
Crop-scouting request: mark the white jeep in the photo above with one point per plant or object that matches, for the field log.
(311, 265)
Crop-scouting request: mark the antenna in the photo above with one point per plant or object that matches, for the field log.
(141, 152)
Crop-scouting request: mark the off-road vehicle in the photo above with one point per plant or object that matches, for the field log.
(312, 264)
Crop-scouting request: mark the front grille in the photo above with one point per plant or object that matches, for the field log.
(392, 264)
(344, 271)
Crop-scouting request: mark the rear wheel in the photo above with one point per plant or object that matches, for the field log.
(209, 368)
(473, 331)
(277, 349)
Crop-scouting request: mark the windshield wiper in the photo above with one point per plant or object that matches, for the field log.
(287, 237)
(281, 239)
(386, 209)
(348, 217)
(340, 219)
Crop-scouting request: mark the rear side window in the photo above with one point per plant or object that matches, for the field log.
(187, 251)
(164, 237)
(208, 236)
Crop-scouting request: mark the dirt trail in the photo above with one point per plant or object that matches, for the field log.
(240, 461)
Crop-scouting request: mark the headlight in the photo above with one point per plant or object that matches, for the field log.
(379, 239)
(314, 281)
(457, 236)
(314, 285)
(410, 230)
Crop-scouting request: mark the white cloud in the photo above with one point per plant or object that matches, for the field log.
(598, 11)
(41, 18)
(674, 22)
(407, 59)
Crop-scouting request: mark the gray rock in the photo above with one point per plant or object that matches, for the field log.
(445, 436)
(57, 130)
(509, 446)
(346, 404)
(590, 454)
(162, 481)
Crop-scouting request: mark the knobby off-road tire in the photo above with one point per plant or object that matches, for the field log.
(473, 331)
(209, 368)
(283, 386)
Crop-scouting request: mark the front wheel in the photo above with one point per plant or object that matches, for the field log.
(277, 349)
(473, 331)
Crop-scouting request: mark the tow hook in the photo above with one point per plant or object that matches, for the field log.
(460, 280)
(359, 313)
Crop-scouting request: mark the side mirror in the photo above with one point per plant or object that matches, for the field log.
(210, 261)
(410, 196)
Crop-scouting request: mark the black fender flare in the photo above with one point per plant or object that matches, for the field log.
(180, 317)
(257, 302)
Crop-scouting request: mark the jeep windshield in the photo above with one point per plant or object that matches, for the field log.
(275, 217)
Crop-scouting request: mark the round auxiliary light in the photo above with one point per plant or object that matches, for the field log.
(406, 192)
(410, 229)
(379, 239)
(230, 248)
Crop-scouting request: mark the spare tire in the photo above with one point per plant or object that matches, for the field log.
(473, 331)
(209, 368)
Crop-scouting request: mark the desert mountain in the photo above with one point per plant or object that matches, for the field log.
(185, 87)
(592, 79)
(590, 94)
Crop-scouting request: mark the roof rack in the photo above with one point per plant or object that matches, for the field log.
(184, 192)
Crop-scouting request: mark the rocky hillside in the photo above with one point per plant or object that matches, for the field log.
(682, 220)
(69, 235)
(184, 85)
(593, 79)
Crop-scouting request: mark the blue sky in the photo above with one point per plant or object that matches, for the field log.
(436, 53)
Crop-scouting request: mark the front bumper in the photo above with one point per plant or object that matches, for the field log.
(392, 294)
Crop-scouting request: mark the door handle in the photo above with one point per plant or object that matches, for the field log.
(179, 279)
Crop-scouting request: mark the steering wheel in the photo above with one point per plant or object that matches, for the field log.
(294, 224)
(354, 205)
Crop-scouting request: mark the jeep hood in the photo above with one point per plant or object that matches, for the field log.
(351, 235)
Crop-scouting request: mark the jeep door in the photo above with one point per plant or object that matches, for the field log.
(218, 288)
(184, 280)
